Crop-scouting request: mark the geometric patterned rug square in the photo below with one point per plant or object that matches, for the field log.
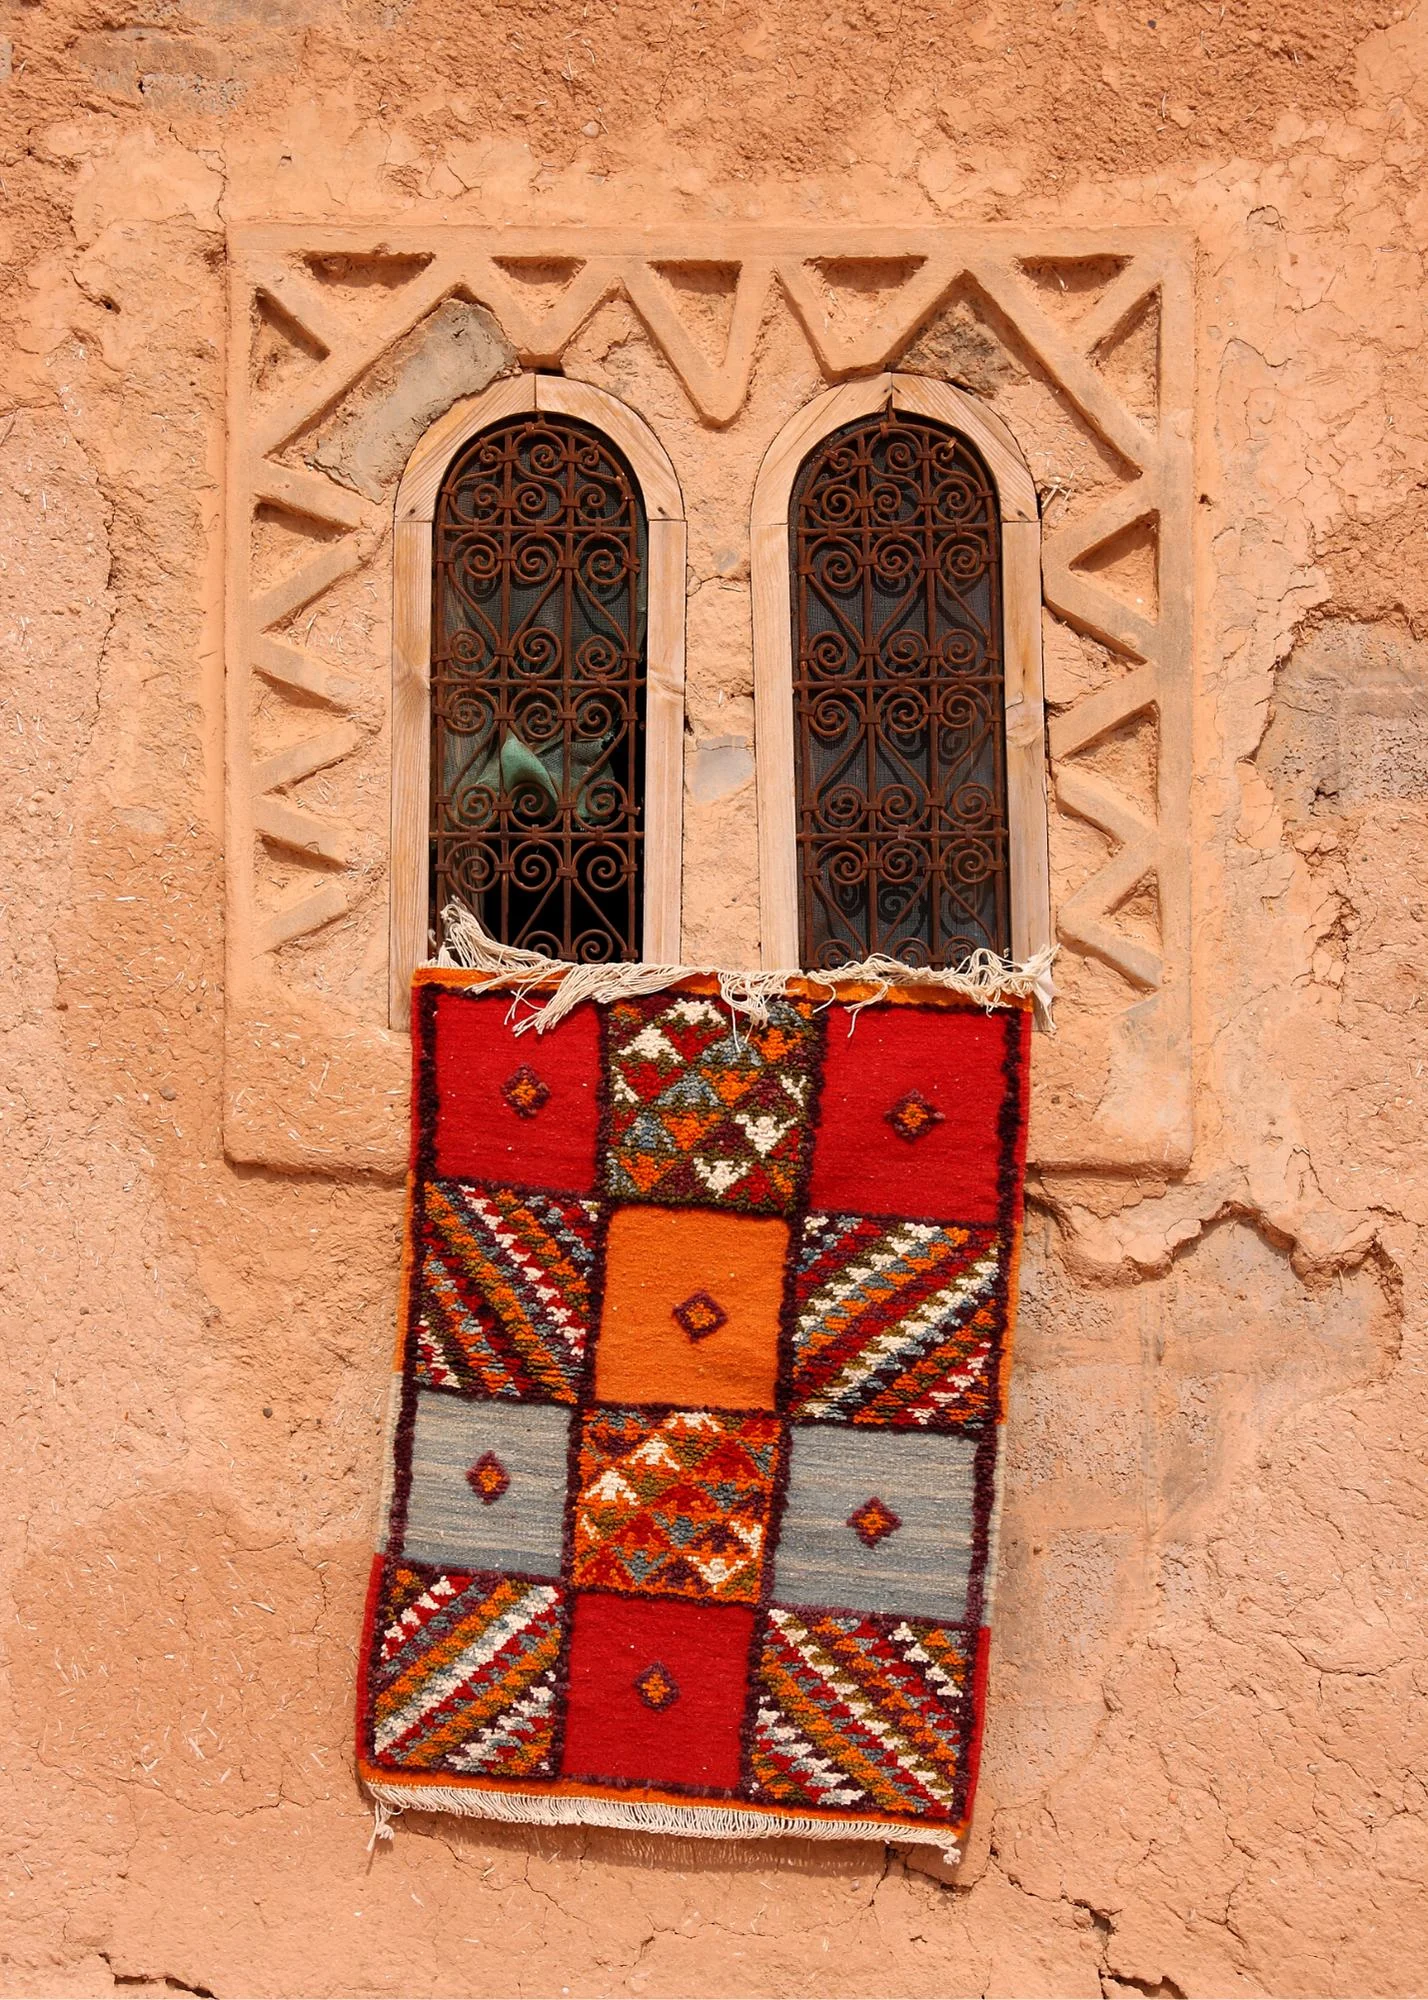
(690, 1512)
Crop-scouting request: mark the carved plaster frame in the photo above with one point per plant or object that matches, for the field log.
(317, 1084)
(411, 659)
(1021, 642)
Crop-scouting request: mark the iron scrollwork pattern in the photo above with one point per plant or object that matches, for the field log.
(898, 698)
(538, 690)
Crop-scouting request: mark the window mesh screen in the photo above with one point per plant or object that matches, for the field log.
(898, 700)
(537, 690)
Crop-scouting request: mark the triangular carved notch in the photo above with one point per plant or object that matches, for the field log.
(1128, 356)
(543, 278)
(702, 296)
(858, 288)
(1068, 287)
(281, 350)
(377, 271)
(1126, 565)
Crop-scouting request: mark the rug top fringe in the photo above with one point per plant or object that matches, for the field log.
(983, 977)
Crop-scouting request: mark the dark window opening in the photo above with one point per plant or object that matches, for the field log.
(539, 555)
(899, 721)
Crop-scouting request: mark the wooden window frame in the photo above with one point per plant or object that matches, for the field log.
(774, 748)
(411, 659)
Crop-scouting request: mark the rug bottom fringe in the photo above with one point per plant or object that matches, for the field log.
(700, 1822)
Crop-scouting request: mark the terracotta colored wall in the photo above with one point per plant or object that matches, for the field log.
(1205, 1769)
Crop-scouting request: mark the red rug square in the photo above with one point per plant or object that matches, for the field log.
(909, 1114)
(523, 1110)
(656, 1691)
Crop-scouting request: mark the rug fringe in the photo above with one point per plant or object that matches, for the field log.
(383, 1815)
(985, 978)
(702, 1822)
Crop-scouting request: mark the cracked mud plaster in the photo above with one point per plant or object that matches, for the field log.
(1204, 1772)
(457, 350)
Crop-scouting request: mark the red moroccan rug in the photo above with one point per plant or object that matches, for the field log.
(690, 1518)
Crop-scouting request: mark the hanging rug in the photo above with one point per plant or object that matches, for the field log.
(690, 1511)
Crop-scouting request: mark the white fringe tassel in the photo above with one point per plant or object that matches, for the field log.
(382, 1816)
(985, 978)
(703, 1822)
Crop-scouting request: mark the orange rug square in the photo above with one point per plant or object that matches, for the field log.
(659, 1261)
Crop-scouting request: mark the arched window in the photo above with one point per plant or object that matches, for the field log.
(897, 671)
(897, 697)
(539, 579)
(538, 680)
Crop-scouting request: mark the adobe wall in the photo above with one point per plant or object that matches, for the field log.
(1207, 1736)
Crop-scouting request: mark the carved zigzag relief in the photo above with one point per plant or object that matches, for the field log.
(542, 289)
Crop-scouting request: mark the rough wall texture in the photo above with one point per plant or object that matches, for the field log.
(1206, 1766)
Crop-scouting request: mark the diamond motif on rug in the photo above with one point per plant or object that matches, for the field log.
(675, 1505)
(896, 1322)
(860, 1712)
(656, 1687)
(706, 1114)
(700, 1316)
(873, 1522)
(912, 1117)
(503, 1304)
(525, 1092)
(488, 1479)
(465, 1676)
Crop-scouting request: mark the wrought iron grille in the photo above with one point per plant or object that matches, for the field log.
(898, 700)
(537, 690)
